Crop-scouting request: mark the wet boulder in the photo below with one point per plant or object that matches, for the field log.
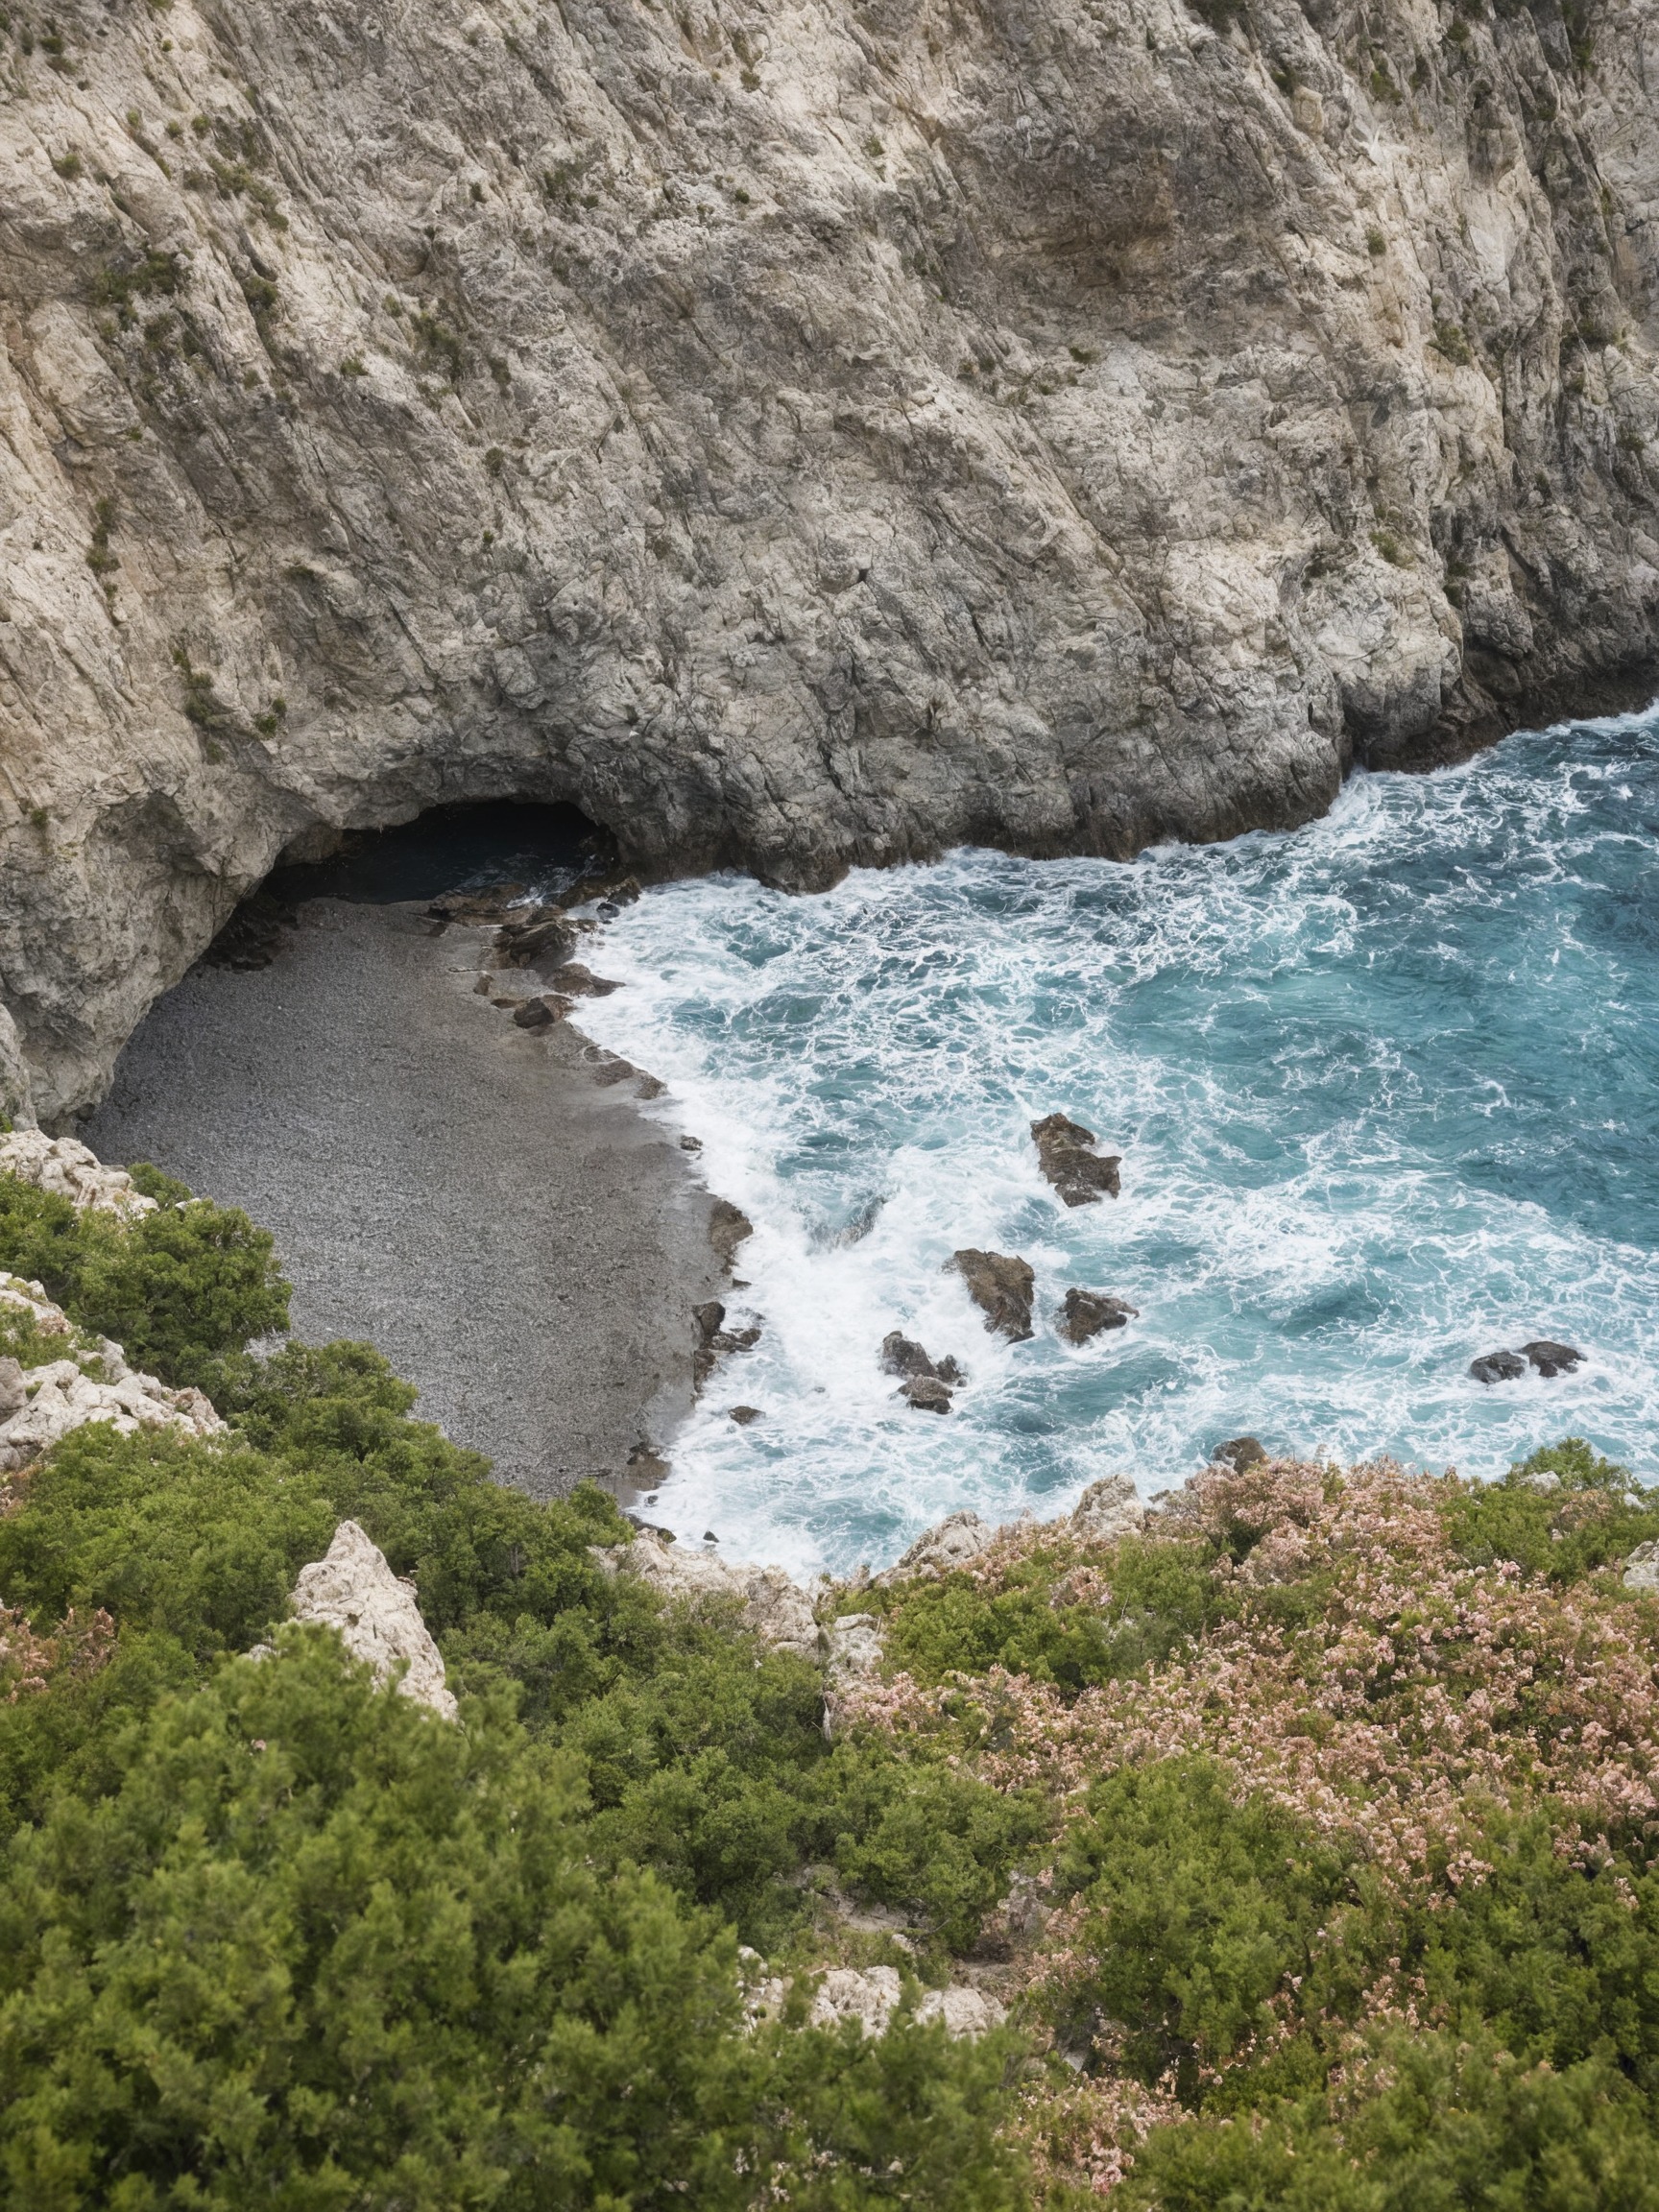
(728, 1226)
(581, 982)
(1000, 1285)
(1239, 1452)
(1085, 1313)
(1497, 1367)
(544, 940)
(1066, 1156)
(1552, 1358)
(927, 1394)
(903, 1357)
(541, 1012)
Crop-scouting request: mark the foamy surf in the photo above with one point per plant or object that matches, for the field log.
(1383, 1089)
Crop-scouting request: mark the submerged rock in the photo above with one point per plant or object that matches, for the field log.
(1497, 1367)
(352, 1589)
(1552, 1358)
(1000, 1285)
(1085, 1313)
(1067, 1155)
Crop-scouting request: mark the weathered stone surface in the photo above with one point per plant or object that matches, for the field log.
(851, 1650)
(929, 427)
(17, 1093)
(1000, 1285)
(69, 1168)
(1066, 1156)
(778, 1610)
(1108, 1509)
(728, 1227)
(1552, 1358)
(871, 1997)
(40, 1405)
(1085, 1313)
(352, 1589)
(1642, 1569)
(957, 1539)
(1239, 1452)
(1497, 1367)
(927, 1394)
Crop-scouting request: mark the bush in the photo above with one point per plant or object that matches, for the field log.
(177, 1289)
(319, 1948)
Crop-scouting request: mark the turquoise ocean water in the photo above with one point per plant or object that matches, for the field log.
(1384, 1092)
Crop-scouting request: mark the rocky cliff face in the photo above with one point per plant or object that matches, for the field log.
(801, 436)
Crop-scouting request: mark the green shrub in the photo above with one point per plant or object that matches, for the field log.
(178, 1289)
(1567, 1531)
(1161, 1597)
(1198, 1912)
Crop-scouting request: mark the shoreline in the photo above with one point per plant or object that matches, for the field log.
(542, 1302)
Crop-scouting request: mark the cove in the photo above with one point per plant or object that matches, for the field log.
(517, 1239)
(1384, 1090)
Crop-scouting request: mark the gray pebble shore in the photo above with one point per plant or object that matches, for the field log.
(522, 1243)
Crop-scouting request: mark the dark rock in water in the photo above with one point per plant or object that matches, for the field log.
(543, 938)
(710, 1318)
(1497, 1367)
(901, 1355)
(727, 1226)
(1239, 1452)
(539, 1013)
(709, 1537)
(1065, 1152)
(1085, 1313)
(745, 1415)
(927, 1394)
(1001, 1287)
(691, 1143)
(1552, 1358)
(583, 983)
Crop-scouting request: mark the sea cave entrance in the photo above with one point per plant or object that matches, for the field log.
(520, 1240)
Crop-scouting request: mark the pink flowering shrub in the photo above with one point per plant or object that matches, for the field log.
(1332, 1759)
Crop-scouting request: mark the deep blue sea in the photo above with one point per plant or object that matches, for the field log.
(1384, 1092)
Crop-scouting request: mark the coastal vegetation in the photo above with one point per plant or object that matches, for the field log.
(1308, 1837)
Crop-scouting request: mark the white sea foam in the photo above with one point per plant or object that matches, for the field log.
(1383, 1092)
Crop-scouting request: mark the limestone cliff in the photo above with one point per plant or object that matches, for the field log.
(800, 435)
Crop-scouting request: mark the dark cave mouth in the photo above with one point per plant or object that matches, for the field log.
(508, 847)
